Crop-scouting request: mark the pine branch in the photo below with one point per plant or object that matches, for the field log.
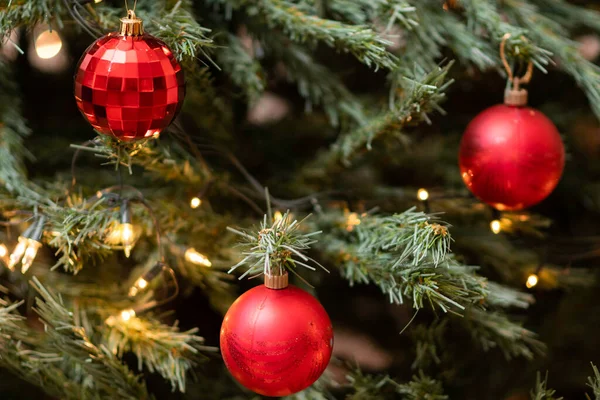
(245, 71)
(316, 83)
(570, 15)
(164, 162)
(13, 130)
(541, 391)
(422, 387)
(554, 37)
(360, 41)
(78, 232)
(487, 17)
(316, 391)
(38, 367)
(180, 30)
(103, 374)
(428, 341)
(16, 13)
(594, 383)
(437, 28)
(377, 387)
(406, 255)
(493, 329)
(171, 21)
(161, 348)
(420, 95)
(276, 247)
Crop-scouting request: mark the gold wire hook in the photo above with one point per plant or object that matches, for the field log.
(134, 5)
(516, 81)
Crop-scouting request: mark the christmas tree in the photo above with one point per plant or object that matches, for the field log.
(427, 170)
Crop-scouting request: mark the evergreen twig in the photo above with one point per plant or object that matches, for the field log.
(159, 347)
(541, 391)
(361, 41)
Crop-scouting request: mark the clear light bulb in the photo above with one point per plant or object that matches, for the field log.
(195, 202)
(48, 44)
(17, 253)
(139, 285)
(532, 280)
(194, 257)
(30, 253)
(127, 238)
(422, 194)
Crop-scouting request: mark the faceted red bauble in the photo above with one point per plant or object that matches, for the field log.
(276, 341)
(511, 157)
(129, 87)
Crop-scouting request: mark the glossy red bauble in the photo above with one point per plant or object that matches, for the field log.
(276, 342)
(511, 157)
(129, 87)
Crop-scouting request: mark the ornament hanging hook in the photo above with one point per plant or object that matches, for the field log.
(127, 6)
(515, 80)
(514, 95)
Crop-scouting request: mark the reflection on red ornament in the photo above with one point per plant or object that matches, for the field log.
(129, 84)
(511, 157)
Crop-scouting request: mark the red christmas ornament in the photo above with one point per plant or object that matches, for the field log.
(128, 83)
(276, 340)
(511, 156)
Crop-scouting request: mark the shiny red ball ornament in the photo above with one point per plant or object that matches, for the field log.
(276, 342)
(511, 156)
(128, 84)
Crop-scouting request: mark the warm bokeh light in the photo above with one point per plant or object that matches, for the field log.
(3, 251)
(195, 202)
(495, 226)
(139, 285)
(48, 44)
(352, 221)
(422, 194)
(126, 315)
(278, 216)
(532, 280)
(194, 257)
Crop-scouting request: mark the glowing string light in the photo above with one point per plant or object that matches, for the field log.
(144, 281)
(17, 254)
(422, 194)
(127, 238)
(194, 257)
(195, 202)
(48, 44)
(495, 226)
(532, 280)
(30, 253)
(126, 315)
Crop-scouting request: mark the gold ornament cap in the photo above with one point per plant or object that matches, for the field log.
(276, 281)
(515, 97)
(131, 25)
